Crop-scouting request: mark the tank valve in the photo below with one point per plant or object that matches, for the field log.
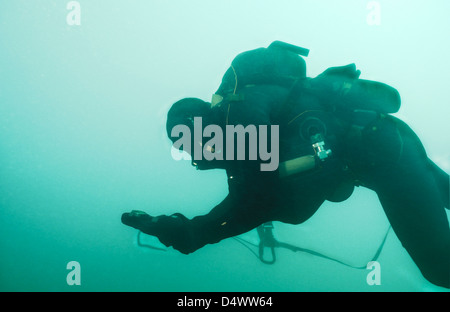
(319, 147)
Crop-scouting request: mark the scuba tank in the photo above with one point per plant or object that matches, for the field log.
(342, 89)
(338, 93)
(279, 64)
(283, 63)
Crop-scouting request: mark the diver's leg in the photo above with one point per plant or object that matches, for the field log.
(442, 181)
(417, 216)
(413, 203)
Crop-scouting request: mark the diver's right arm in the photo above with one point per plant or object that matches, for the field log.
(247, 205)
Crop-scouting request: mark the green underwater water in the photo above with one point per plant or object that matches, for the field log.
(82, 138)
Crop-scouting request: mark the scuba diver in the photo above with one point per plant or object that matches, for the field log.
(336, 132)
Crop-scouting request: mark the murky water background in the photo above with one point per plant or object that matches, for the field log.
(82, 137)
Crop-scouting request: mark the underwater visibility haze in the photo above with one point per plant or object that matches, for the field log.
(85, 87)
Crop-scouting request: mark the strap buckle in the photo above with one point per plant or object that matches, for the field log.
(267, 240)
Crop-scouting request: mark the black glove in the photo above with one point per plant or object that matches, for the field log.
(139, 220)
(170, 230)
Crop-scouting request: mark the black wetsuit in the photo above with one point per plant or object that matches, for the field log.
(376, 151)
